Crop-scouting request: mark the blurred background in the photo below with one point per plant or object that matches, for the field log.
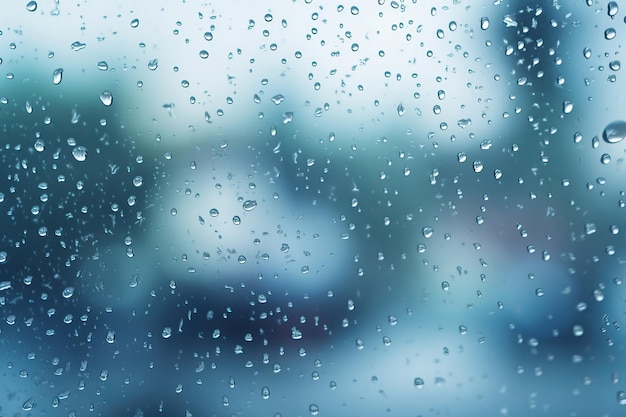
(312, 208)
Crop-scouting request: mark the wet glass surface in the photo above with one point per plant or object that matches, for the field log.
(312, 208)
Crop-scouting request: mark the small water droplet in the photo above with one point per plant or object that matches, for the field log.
(418, 382)
(610, 33)
(153, 64)
(445, 286)
(614, 132)
(568, 106)
(612, 9)
(166, 333)
(484, 23)
(31, 6)
(249, 205)
(134, 23)
(605, 159)
(278, 98)
(427, 232)
(400, 109)
(79, 153)
(360, 344)
(39, 145)
(77, 46)
(103, 66)
(354, 10)
(477, 166)
(106, 97)
(314, 409)
(57, 75)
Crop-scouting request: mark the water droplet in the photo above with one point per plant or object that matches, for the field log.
(28, 404)
(278, 98)
(484, 23)
(477, 166)
(39, 145)
(615, 65)
(360, 344)
(612, 9)
(400, 109)
(249, 205)
(578, 330)
(31, 6)
(153, 64)
(214, 212)
(134, 23)
(103, 66)
(445, 286)
(354, 47)
(77, 46)
(166, 333)
(462, 330)
(314, 409)
(568, 106)
(265, 393)
(427, 232)
(3, 257)
(354, 10)
(463, 123)
(57, 75)
(605, 159)
(609, 34)
(587, 52)
(79, 153)
(68, 292)
(106, 97)
(418, 382)
(614, 132)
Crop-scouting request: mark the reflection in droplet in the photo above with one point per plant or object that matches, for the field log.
(106, 97)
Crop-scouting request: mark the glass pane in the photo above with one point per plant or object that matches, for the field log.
(312, 208)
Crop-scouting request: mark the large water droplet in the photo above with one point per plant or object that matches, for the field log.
(614, 132)
(106, 97)
(79, 153)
